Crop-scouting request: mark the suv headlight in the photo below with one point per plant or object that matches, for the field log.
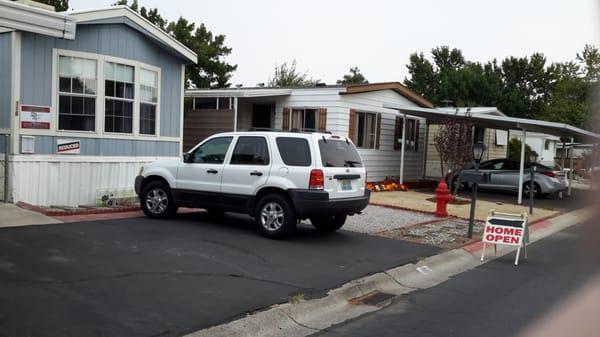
(141, 170)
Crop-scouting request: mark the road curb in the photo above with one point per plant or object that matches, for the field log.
(307, 317)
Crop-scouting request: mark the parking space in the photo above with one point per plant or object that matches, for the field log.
(142, 277)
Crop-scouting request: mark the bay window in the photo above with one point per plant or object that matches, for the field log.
(76, 94)
(148, 101)
(119, 97)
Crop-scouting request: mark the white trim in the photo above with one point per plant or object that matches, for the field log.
(16, 89)
(86, 158)
(87, 15)
(268, 92)
(26, 18)
(182, 110)
(100, 99)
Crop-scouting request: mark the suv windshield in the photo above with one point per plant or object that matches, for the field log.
(338, 153)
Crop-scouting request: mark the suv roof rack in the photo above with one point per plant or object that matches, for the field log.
(265, 129)
(309, 131)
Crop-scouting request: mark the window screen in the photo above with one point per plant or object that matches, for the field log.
(76, 94)
(250, 151)
(294, 151)
(119, 96)
(148, 101)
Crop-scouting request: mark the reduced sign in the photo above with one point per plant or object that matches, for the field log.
(506, 229)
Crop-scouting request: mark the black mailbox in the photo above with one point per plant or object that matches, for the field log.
(474, 177)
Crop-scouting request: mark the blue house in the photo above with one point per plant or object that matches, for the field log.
(86, 97)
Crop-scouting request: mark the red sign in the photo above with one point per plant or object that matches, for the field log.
(35, 117)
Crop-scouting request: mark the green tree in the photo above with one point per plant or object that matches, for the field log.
(59, 5)
(514, 150)
(211, 69)
(354, 77)
(286, 75)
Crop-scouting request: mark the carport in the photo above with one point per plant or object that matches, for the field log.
(564, 131)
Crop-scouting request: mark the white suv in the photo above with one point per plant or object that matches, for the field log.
(276, 177)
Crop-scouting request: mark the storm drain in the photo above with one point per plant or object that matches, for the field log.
(374, 298)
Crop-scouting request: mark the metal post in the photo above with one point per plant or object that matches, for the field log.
(401, 178)
(571, 167)
(6, 152)
(522, 167)
(531, 188)
(564, 148)
(235, 113)
(473, 201)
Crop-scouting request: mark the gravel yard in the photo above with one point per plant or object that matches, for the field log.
(378, 219)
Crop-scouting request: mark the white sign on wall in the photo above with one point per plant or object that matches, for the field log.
(35, 117)
(68, 146)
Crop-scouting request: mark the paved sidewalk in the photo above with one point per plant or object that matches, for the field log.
(13, 216)
(413, 200)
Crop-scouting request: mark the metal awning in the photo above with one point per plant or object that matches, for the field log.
(17, 16)
(488, 120)
(228, 92)
(491, 119)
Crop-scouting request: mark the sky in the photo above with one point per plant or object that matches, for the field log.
(328, 37)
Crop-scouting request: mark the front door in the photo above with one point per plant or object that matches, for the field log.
(247, 170)
(199, 179)
(261, 116)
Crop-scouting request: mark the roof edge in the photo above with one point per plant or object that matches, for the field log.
(88, 15)
(395, 86)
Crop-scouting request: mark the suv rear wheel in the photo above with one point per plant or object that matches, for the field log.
(329, 224)
(156, 200)
(275, 216)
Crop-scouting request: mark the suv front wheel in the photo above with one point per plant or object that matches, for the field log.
(275, 216)
(328, 224)
(156, 200)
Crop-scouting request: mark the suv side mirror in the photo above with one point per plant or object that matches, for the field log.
(187, 157)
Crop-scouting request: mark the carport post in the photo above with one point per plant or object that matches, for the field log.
(235, 113)
(571, 167)
(401, 178)
(522, 167)
(562, 164)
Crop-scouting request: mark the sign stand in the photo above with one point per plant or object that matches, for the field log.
(506, 229)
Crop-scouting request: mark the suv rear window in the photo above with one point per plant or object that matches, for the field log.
(294, 151)
(339, 153)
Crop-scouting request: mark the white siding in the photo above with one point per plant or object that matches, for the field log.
(74, 181)
(379, 163)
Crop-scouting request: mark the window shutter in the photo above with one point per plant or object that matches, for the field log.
(322, 120)
(286, 119)
(398, 132)
(378, 132)
(417, 136)
(352, 125)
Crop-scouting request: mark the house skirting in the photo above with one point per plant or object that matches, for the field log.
(54, 180)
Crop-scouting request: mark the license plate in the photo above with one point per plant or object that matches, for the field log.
(346, 185)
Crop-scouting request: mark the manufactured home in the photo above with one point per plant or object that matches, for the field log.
(86, 98)
(353, 111)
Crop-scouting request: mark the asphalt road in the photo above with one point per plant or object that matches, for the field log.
(496, 299)
(142, 277)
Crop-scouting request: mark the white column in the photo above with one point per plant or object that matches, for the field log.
(522, 167)
(571, 167)
(235, 113)
(402, 149)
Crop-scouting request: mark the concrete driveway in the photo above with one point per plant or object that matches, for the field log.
(142, 277)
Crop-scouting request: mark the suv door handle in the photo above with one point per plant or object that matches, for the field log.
(256, 173)
(212, 171)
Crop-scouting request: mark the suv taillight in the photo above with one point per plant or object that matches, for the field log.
(316, 181)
